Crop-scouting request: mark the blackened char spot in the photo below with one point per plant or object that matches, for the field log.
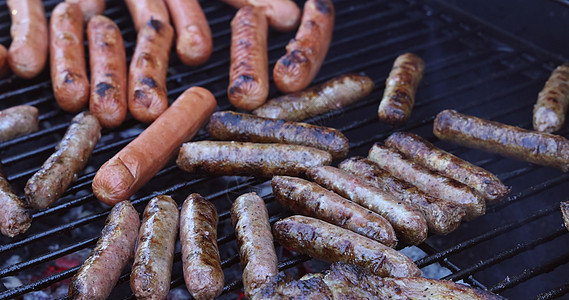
(245, 78)
(138, 94)
(155, 24)
(322, 6)
(239, 82)
(68, 77)
(295, 57)
(102, 88)
(149, 82)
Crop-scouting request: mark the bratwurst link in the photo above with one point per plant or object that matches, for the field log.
(15, 217)
(552, 102)
(17, 121)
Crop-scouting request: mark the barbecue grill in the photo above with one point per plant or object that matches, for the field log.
(518, 249)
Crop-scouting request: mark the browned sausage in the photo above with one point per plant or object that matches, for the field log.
(102, 269)
(227, 125)
(408, 223)
(551, 107)
(152, 267)
(90, 8)
(428, 181)
(283, 15)
(400, 88)
(532, 146)
(442, 217)
(67, 57)
(17, 121)
(306, 52)
(331, 243)
(436, 159)
(308, 198)
(200, 254)
(63, 167)
(143, 11)
(27, 54)
(194, 43)
(248, 73)
(147, 94)
(564, 206)
(331, 95)
(15, 218)
(4, 66)
(107, 59)
(258, 257)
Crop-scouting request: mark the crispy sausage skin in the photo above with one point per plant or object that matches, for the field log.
(408, 223)
(306, 52)
(152, 267)
(253, 231)
(89, 8)
(4, 66)
(194, 43)
(200, 254)
(102, 269)
(63, 167)
(27, 54)
(331, 95)
(248, 73)
(147, 94)
(227, 125)
(400, 88)
(331, 243)
(442, 217)
(436, 159)
(15, 217)
(143, 11)
(18, 121)
(532, 146)
(551, 107)
(249, 159)
(428, 181)
(107, 59)
(283, 15)
(67, 57)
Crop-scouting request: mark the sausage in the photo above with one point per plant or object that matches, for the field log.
(143, 11)
(308, 287)
(408, 223)
(400, 88)
(194, 43)
(532, 146)
(428, 181)
(89, 8)
(308, 198)
(27, 54)
(256, 251)
(248, 72)
(227, 125)
(4, 66)
(107, 59)
(102, 269)
(18, 121)
(564, 206)
(131, 168)
(306, 52)
(147, 94)
(15, 217)
(249, 159)
(67, 57)
(331, 95)
(551, 107)
(152, 267)
(283, 15)
(442, 217)
(331, 243)
(200, 254)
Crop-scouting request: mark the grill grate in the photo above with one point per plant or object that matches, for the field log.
(518, 249)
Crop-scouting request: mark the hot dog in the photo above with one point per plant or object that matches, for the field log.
(90, 8)
(248, 73)
(306, 52)
(143, 11)
(17, 121)
(282, 15)
(4, 66)
(15, 217)
(127, 171)
(552, 102)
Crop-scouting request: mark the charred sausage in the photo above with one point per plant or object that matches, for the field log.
(532, 146)
(306, 52)
(4, 66)
(307, 198)
(249, 159)
(15, 217)
(436, 159)
(63, 167)
(143, 11)
(90, 8)
(331, 243)
(428, 181)
(102, 269)
(564, 206)
(18, 121)
(200, 254)
(27, 54)
(152, 267)
(551, 107)
(248, 73)
(400, 88)
(227, 125)
(282, 15)
(67, 57)
(147, 94)
(331, 95)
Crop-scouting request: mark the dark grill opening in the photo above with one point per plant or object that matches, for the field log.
(518, 249)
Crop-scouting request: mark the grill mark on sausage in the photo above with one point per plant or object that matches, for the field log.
(102, 88)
